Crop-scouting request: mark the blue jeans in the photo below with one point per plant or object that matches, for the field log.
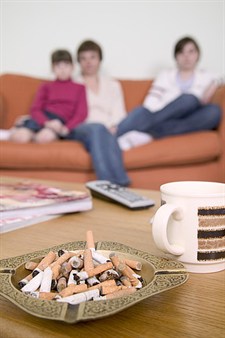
(105, 152)
(34, 126)
(183, 115)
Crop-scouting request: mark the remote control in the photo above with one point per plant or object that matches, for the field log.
(116, 193)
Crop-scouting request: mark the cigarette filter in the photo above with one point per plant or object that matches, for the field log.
(90, 240)
(120, 293)
(72, 288)
(31, 265)
(133, 264)
(109, 282)
(109, 289)
(47, 260)
(125, 270)
(88, 261)
(99, 269)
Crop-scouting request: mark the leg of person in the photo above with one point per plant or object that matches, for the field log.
(25, 132)
(205, 118)
(138, 119)
(142, 119)
(45, 135)
(132, 139)
(104, 150)
(21, 135)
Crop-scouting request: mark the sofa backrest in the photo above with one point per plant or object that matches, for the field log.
(17, 93)
(135, 92)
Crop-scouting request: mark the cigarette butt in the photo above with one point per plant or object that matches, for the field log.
(99, 258)
(133, 264)
(33, 284)
(105, 290)
(90, 240)
(115, 259)
(126, 271)
(47, 295)
(30, 265)
(109, 274)
(125, 281)
(72, 289)
(47, 260)
(61, 284)
(72, 276)
(66, 267)
(99, 269)
(88, 261)
(25, 280)
(109, 282)
(63, 258)
(46, 280)
(76, 262)
(80, 297)
(120, 293)
(55, 271)
(36, 271)
(92, 281)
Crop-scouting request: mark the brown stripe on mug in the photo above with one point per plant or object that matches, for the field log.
(211, 255)
(217, 210)
(211, 233)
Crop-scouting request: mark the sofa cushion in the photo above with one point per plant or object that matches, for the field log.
(69, 155)
(185, 149)
(56, 155)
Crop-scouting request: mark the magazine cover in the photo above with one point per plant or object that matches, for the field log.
(29, 198)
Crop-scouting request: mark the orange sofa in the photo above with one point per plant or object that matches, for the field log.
(194, 156)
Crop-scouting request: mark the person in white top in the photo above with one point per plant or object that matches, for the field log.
(178, 101)
(106, 109)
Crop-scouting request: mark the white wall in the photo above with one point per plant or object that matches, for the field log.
(137, 36)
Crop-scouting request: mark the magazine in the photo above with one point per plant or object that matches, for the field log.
(26, 198)
(10, 224)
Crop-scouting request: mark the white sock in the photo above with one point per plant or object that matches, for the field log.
(132, 139)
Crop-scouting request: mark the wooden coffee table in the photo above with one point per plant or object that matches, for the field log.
(195, 309)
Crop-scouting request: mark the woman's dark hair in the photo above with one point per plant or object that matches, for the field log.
(89, 45)
(61, 55)
(182, 43)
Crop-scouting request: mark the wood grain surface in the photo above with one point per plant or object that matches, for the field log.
(195, 309)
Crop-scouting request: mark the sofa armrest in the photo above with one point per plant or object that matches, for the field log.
(2, 111)
(219, 98)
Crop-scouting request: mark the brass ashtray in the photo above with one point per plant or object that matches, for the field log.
(159, 274)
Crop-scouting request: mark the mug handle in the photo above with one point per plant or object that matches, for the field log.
(159, 228)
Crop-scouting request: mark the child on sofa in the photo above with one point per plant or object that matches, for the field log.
(58, 108)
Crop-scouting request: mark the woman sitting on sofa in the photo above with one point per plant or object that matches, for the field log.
(106, 109)
(178, 101)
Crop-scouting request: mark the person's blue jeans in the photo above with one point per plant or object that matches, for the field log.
(183, 115)
(35, 126)
(104, 150)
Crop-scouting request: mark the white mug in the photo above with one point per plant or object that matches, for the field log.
(190, 224)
